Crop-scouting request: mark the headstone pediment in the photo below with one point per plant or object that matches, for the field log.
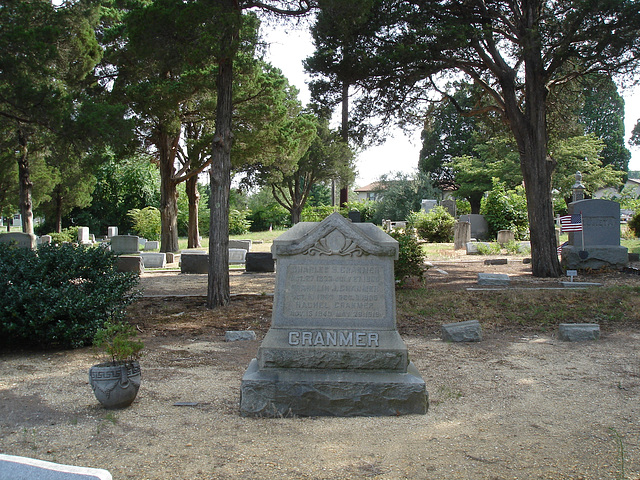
(335, 236)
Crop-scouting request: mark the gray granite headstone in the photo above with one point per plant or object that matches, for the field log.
(83, 236)
(479, 226)
(333, 347)
(505, 236)
(598, 244)
(239, 335)
(152, 245)
(469, 331)
(112, 231)
(130, 263)
(578, 332)
(194, 262)
(259, 262)
(237, 256)
(124, 244)
(22, 468)
(428, 205)
(26, 240)
(243, 244)
(449, 206)
(493, 279)
(461, 235)
(153, 259)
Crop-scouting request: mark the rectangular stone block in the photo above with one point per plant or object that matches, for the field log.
(112, 231)
(153, 259)
(130, 263)
(22, 468)
(25, 240)
(469, 331)
(237, 256)
(578, 332)
(83, 236)
(288, 392)
(194, 262)
(124, 244)
(493, 279)
(259, 262)
(243, 244)
(239, 335)
(152, 245)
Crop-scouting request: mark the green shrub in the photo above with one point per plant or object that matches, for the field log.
(367, 210)
(492, 248)
(411, 257)
(146, 222)
(66, 235)
(316, 214)
(634, 224)
(506, 210)
(238, 223)
(59, 296)
(435, 226)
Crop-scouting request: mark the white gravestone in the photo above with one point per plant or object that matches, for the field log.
(333, 347)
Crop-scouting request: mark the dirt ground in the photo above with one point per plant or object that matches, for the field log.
(514, 406)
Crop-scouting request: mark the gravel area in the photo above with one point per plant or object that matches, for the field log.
(513, 406)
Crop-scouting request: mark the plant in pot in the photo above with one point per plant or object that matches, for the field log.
(115, 383)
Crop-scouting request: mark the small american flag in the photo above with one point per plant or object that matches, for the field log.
(560, 247)
(571, 223)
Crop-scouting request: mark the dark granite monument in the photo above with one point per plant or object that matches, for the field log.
(598, 243)
(333, 348)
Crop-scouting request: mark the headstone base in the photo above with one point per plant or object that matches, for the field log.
(594, 257)
(291, 392)
(578, 332)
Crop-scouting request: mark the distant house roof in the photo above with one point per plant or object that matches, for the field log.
(372, 187)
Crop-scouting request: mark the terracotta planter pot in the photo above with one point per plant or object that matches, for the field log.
(115, 386)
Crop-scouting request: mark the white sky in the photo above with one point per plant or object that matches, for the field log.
(289, 46)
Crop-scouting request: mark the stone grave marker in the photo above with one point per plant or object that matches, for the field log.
(26, 240)
(259, 262)
(124, 244)
(333, 347)
(243, 244)
(237, 256)
(450, 206)
(45, 239)
(479, 226)
(22, 468)
(428, 205)
(153, 259)
(194, 261)
(152, 245)
(505, 236)
(112, 231)
(598, 244)
(83, 236)
(461, 235)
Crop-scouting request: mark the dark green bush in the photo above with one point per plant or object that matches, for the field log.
(436, 226)
(634, 224)
(59, 296)
(506, 210)
(411, 257)
(238, 223)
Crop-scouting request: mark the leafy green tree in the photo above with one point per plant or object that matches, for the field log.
(121, 185)
(506, 210)
(46, 53)
(603, 115)
(402, 194)
(517, 52)
(325, 159)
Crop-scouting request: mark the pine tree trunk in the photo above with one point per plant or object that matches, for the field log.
(529, 126)
(191, 187)
(26, 185)
(58, 212)
(218, 293)
(168, 194)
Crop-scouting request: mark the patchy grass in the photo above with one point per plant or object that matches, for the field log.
(422, 311)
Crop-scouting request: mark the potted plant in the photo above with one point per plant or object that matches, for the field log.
(115, 383)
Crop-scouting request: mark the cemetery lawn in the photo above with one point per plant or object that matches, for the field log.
(519, 405)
